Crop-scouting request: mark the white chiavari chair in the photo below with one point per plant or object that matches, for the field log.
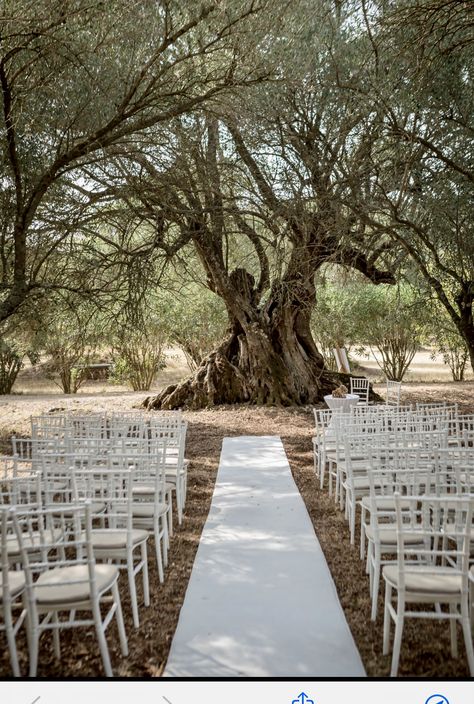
(116, 541)
(436, 575)
(12, 586)
(360, 385)
(65, 583)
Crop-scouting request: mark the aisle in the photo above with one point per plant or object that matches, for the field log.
(260, 601)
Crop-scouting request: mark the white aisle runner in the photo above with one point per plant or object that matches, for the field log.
(260, 601)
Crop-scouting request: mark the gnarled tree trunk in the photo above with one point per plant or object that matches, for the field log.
(268, 356)
(261, 365)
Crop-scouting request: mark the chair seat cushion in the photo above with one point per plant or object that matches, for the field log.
(426, 580)
(67, 585)
(96, 508)
(16, 583)
(388, 536)
(171, 462)
(143, 490)
(115, 539)
(32, 541)
(147, 509)
(384, 503)
(173, 471)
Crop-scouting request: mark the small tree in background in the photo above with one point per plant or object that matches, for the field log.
(393, 321)
(11, 361)
(332, 322)
(448, 343)
(353, 313)
(71, 339)
(197, 322)
(18, 340)
(139, 334)
(139, 354)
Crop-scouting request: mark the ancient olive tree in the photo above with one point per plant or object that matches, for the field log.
(261, 200)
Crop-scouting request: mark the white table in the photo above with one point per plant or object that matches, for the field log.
(342, 404)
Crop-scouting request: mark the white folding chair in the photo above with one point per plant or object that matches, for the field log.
(439, 574)
(403, 472)
(393, 392)
(57, 584)
(360, 386)
(150, 506)
(116, 541)
(12, 585)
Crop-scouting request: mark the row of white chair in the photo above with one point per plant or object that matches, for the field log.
(375, 453)
(117, 474)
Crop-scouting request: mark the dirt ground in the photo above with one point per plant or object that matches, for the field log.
(425, 650)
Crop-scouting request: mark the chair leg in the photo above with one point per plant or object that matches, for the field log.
(179, 498)
(453, 631)
(375, 582)
(159, 559)
(322, 468)
(99, 629)
(353, 519)
(342, 493)
(133, 590)
(466, 629)
(56, 640)
(170, 512)
(146, 582)
(363, 513)
(34, 645)
(471, 606)
(11, 642)
(119, 617)
(397, 642)
(386, 619)
(166, 542)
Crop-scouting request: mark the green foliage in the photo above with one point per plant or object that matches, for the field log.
(333, 322)
(69, 332)
(197, 322)
(391, 320)
(394, 322)
(139, 332)
(11, 361)
(139, 354)
(448, 343)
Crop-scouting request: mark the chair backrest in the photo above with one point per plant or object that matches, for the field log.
(322, 419)
(6, 528)
(432, 518)
(111, 488)
(50, 538)
(8, 466)
(393, 393)
(462, 428)
(360, 386)
(457, 464)
(22, 490)
(147, 464)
